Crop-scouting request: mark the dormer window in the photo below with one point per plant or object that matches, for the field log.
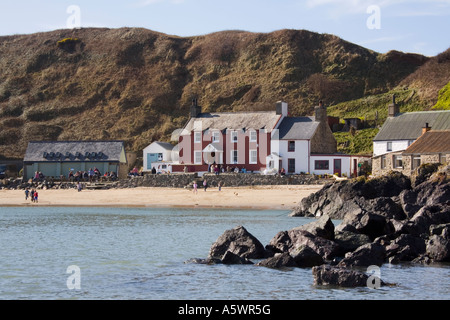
(216, 136)
(197, 137)
(234, 137)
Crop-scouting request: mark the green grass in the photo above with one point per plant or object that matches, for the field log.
(360, 143)
(443, 99)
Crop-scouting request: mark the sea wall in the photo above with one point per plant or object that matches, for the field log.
(227, 179)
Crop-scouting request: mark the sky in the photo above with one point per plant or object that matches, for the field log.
(415, 26)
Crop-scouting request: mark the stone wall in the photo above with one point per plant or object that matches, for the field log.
(182, 180)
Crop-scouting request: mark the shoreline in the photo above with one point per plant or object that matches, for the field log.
(284, 197)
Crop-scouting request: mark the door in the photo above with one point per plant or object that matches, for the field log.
(337, 166)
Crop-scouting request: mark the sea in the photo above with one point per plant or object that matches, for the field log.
(130, 253)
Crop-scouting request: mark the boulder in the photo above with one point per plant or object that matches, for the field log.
(427, 216)
(329, 275)
(279, 260)
(286, 241)
(371, 224)
(322, 227)
(232, 258)
(349, 241)
(366, 255)
(438, 248)
(238, 241)
(305, 257)
(406, 247)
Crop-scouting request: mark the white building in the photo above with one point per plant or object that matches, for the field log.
(159, 155)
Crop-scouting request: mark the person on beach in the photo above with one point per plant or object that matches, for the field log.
(32, 195)
(26, 193)
(205, 184)
(35, 196)
(195, 187)
(220, 185)
(79, 187)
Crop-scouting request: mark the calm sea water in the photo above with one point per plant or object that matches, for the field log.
(140, 253)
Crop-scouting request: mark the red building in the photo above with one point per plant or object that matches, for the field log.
(228, 139)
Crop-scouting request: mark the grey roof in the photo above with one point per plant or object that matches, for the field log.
(164, 145)
(233, 120)
(408, 126)
(297, 128)
(74, 151)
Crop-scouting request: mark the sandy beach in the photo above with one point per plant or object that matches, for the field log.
(259, 197)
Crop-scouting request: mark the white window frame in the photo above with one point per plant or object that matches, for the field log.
(233, 161)
(398, 159)
(253, 159)
(253, 136)
(216, 136)
(389, 146)
(197, 137)
(234, 136)
(196, 159)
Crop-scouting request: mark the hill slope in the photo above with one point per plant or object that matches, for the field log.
(136, 85)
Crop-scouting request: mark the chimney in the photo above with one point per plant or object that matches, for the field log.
(195, 108)
(393, 108)
(321, 112)
(281, 108)
(426, 128)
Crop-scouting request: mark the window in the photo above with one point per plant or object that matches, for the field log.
(321, 164)
(234, 136)
(383, 162)
(398, 162)
(389, 146)
(234, 156)
(253, 156)
(291, 146)
(197, 137)
(197, 157)
(416, 162)
(216, 136)
(291, 165)
(253, 136)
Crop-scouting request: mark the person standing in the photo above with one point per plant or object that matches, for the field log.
(36, 196)
(205, 184)
(195, 187)
(27, 192)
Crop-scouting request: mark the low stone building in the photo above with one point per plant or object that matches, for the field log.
(58, 158)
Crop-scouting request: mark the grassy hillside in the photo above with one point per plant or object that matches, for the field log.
(136, 85)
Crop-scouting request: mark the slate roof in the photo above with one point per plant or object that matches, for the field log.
(164, 145)
(408, 126)
(74, 151)
(233, 121)
(431, 142)
(297, 128)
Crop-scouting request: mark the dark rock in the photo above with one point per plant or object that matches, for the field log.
(232, 258)
(238, 241)
(386, 207)
(279, 260)
(349, 241)
(305, 257)
(427, 216)
(322, 227)
(366, 255)
(204, 261)
(370, 224)
(329, 275)
(408, 199)
(438, 248)
(405, 248)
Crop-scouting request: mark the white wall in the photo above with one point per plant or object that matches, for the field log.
(300, 154)
(155, 148)
(380, 147)
(345, 164)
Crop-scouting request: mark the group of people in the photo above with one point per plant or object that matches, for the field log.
(91, 175)
(38, 176)
(32, 194)
(205, 185)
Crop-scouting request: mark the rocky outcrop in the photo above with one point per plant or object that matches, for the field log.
(374, 231)
(238, 241)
